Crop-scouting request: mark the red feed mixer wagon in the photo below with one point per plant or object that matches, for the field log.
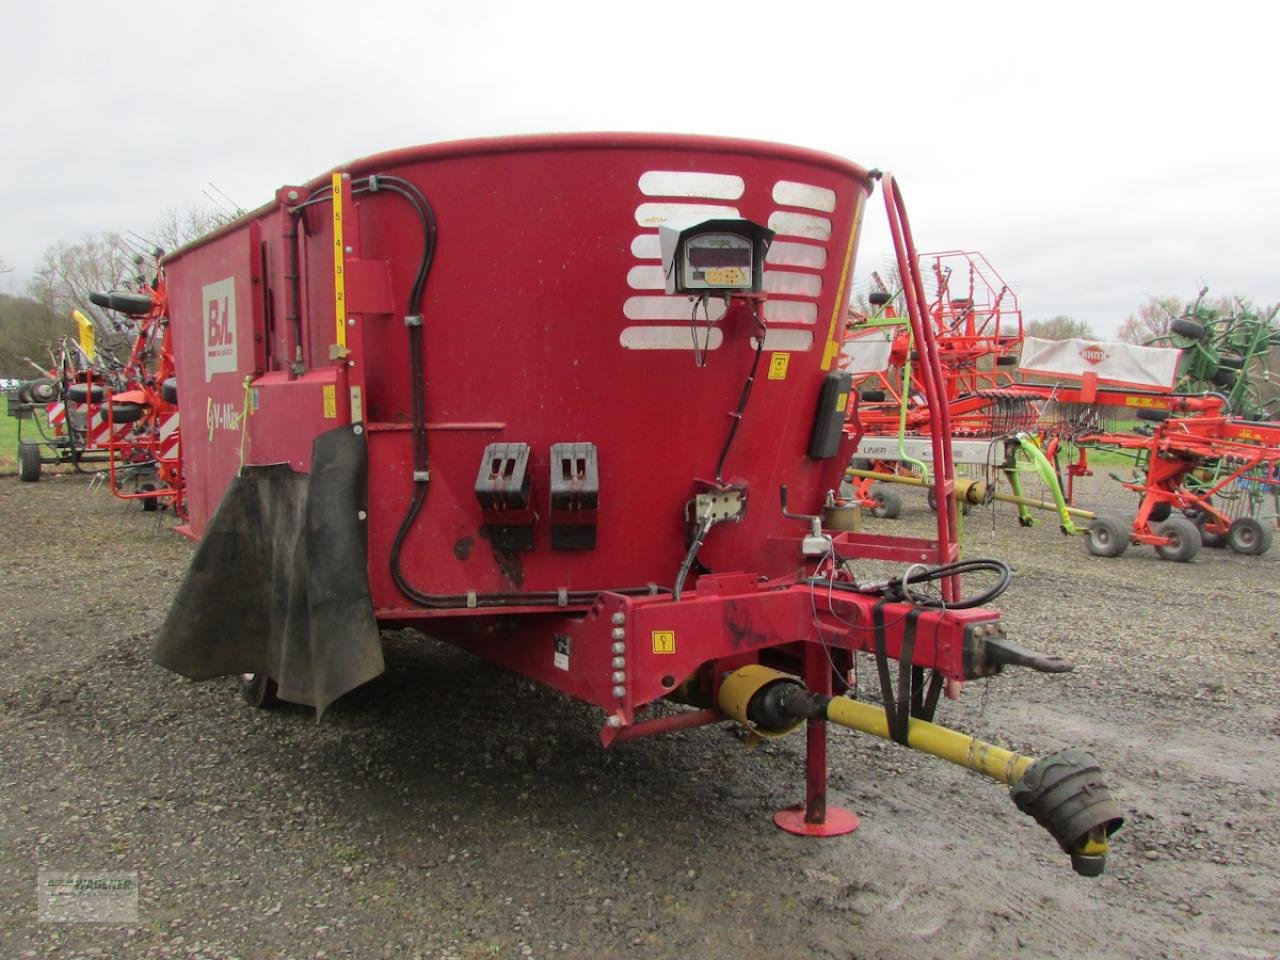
(573, 403)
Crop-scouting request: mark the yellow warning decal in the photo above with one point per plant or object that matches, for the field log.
(1149, 402)
(330, 402)
(778, 363)
(842, 401)
(664, 641)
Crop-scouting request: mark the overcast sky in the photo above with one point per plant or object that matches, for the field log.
(1096, 153)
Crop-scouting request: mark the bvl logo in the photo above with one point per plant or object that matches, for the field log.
(220, 327)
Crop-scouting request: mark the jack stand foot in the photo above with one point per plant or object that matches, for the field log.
(837, 822)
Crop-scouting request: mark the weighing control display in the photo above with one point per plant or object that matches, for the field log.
(717, 261)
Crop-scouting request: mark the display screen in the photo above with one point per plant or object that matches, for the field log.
(702, 257)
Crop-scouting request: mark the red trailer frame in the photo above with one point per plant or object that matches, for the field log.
(541, 455)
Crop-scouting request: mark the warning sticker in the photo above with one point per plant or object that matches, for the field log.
(564, 647)
(664, 641)
(778, 365)
(330, 402)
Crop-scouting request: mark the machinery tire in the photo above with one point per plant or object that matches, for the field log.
(872, 396)
(1160, 512)
(888, 503)
(1184, 539)
(1153, 416)
(24, 393)
(1214, 541)
(28, 462)
(127, 412)
(1007, 360)
(169, 390)
(1224, 377)
(80, 392)
(258, 690)
(1107, 537)
(134, 304)
(879, 298)
(1249, 537)
(1231, 363)
(150, 504)
(1186, 327)
(932, 499)
(43, 390)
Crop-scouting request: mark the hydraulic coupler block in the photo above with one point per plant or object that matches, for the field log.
(575, 496)
(505, 491)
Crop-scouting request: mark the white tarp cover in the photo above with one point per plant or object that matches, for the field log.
(867, 354)
(1123, 364)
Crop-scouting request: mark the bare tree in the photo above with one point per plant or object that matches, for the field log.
(1060, 327)
(177, 228)
(1151, 320)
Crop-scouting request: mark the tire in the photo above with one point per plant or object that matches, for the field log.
(1186, 327)
(888, 504)
(80, 392)
(169, 390)
(150, 504)
(127, 412)
(1153, 416)
(1107, 537)
(1224, 377)
(258, 690)
(28, 462)
(24, 393)
(1184, 539)
(134, 304)
(872, 396)
(1249, 537)
(1007, 360)
(1231, 363)
(43, 390)
(1160, 512)
(932, 499)
(879, 298)
(1214, 541)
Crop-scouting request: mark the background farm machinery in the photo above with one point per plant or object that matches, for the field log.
(1211, 464)
(92, 409)
(600, 449)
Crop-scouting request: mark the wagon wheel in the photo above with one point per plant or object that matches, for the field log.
(1107, 537)
(28, 462)
(1184, 539)
(1214, 541)
(258, 690)
(888, 504)
(1249, 537)
(932, 498)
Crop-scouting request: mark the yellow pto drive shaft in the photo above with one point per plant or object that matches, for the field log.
(1064, 791)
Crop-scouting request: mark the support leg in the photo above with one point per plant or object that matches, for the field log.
(814, 818)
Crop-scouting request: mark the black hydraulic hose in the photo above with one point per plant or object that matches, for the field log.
(736, 416)
(899, 588)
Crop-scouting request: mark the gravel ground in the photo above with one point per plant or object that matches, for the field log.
(451, 810)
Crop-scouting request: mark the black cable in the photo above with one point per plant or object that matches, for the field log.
(900, 588)
(736, 415)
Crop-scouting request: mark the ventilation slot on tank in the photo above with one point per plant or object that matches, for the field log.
(575, 496)
(504, 489)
